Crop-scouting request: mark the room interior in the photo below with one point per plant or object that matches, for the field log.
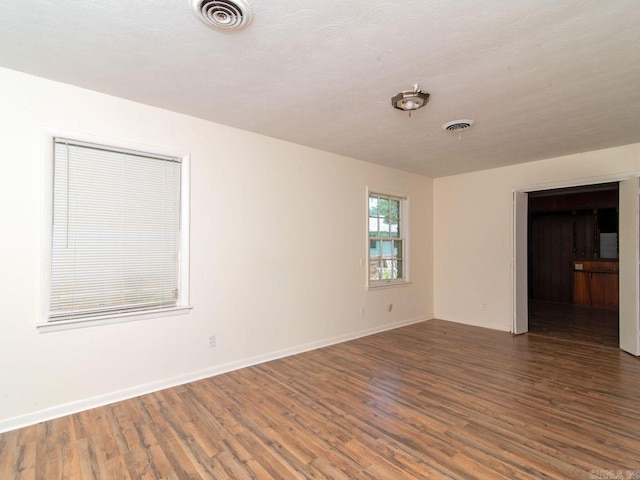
(311, 373)
(570, 229)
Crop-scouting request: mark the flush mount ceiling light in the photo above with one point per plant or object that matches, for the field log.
(222, 14)
(410, 100)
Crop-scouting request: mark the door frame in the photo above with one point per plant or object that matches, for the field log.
(629, 276)
(520, 244)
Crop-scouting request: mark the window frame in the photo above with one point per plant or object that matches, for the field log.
(182, 306)
(403, 235)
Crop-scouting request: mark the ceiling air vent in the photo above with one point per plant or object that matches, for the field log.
(458, 125)
(222, 14)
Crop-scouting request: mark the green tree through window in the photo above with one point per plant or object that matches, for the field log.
(386, 243)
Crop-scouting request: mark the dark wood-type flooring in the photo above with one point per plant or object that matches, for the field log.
(431, 400)
(574, 322)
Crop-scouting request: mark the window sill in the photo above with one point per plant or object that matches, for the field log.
(56, 326)
(384, 285)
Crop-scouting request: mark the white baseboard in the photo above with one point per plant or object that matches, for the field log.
(127, 393)
(491, 326)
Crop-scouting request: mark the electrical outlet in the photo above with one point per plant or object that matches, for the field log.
(362, 311)
(212, 340)
(483, 306)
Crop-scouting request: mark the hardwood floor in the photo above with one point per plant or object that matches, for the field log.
(574, 322)
(431, 400)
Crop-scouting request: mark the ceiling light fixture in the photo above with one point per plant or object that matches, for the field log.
(410, 100)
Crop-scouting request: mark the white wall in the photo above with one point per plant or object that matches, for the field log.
(473, 229)
(267, 277)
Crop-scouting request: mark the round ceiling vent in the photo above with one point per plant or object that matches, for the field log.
(458, 125)
(223, 14)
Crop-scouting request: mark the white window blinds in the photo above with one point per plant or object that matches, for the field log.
(116, 231)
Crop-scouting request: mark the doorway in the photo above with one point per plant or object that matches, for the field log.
(629, 259)
(572, 256)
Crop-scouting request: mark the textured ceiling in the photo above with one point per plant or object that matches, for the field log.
(541, 79)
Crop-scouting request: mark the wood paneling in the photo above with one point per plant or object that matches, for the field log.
(565, 225)
(568, 201)
(431, 400)
(551, 245)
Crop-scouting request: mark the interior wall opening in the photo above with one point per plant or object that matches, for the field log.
(572, 257)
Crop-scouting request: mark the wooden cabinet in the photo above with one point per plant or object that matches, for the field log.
(595, 283)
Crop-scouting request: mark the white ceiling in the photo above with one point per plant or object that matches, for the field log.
(541, 78)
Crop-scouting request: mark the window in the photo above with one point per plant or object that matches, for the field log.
(117, 244)
(388, 227)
